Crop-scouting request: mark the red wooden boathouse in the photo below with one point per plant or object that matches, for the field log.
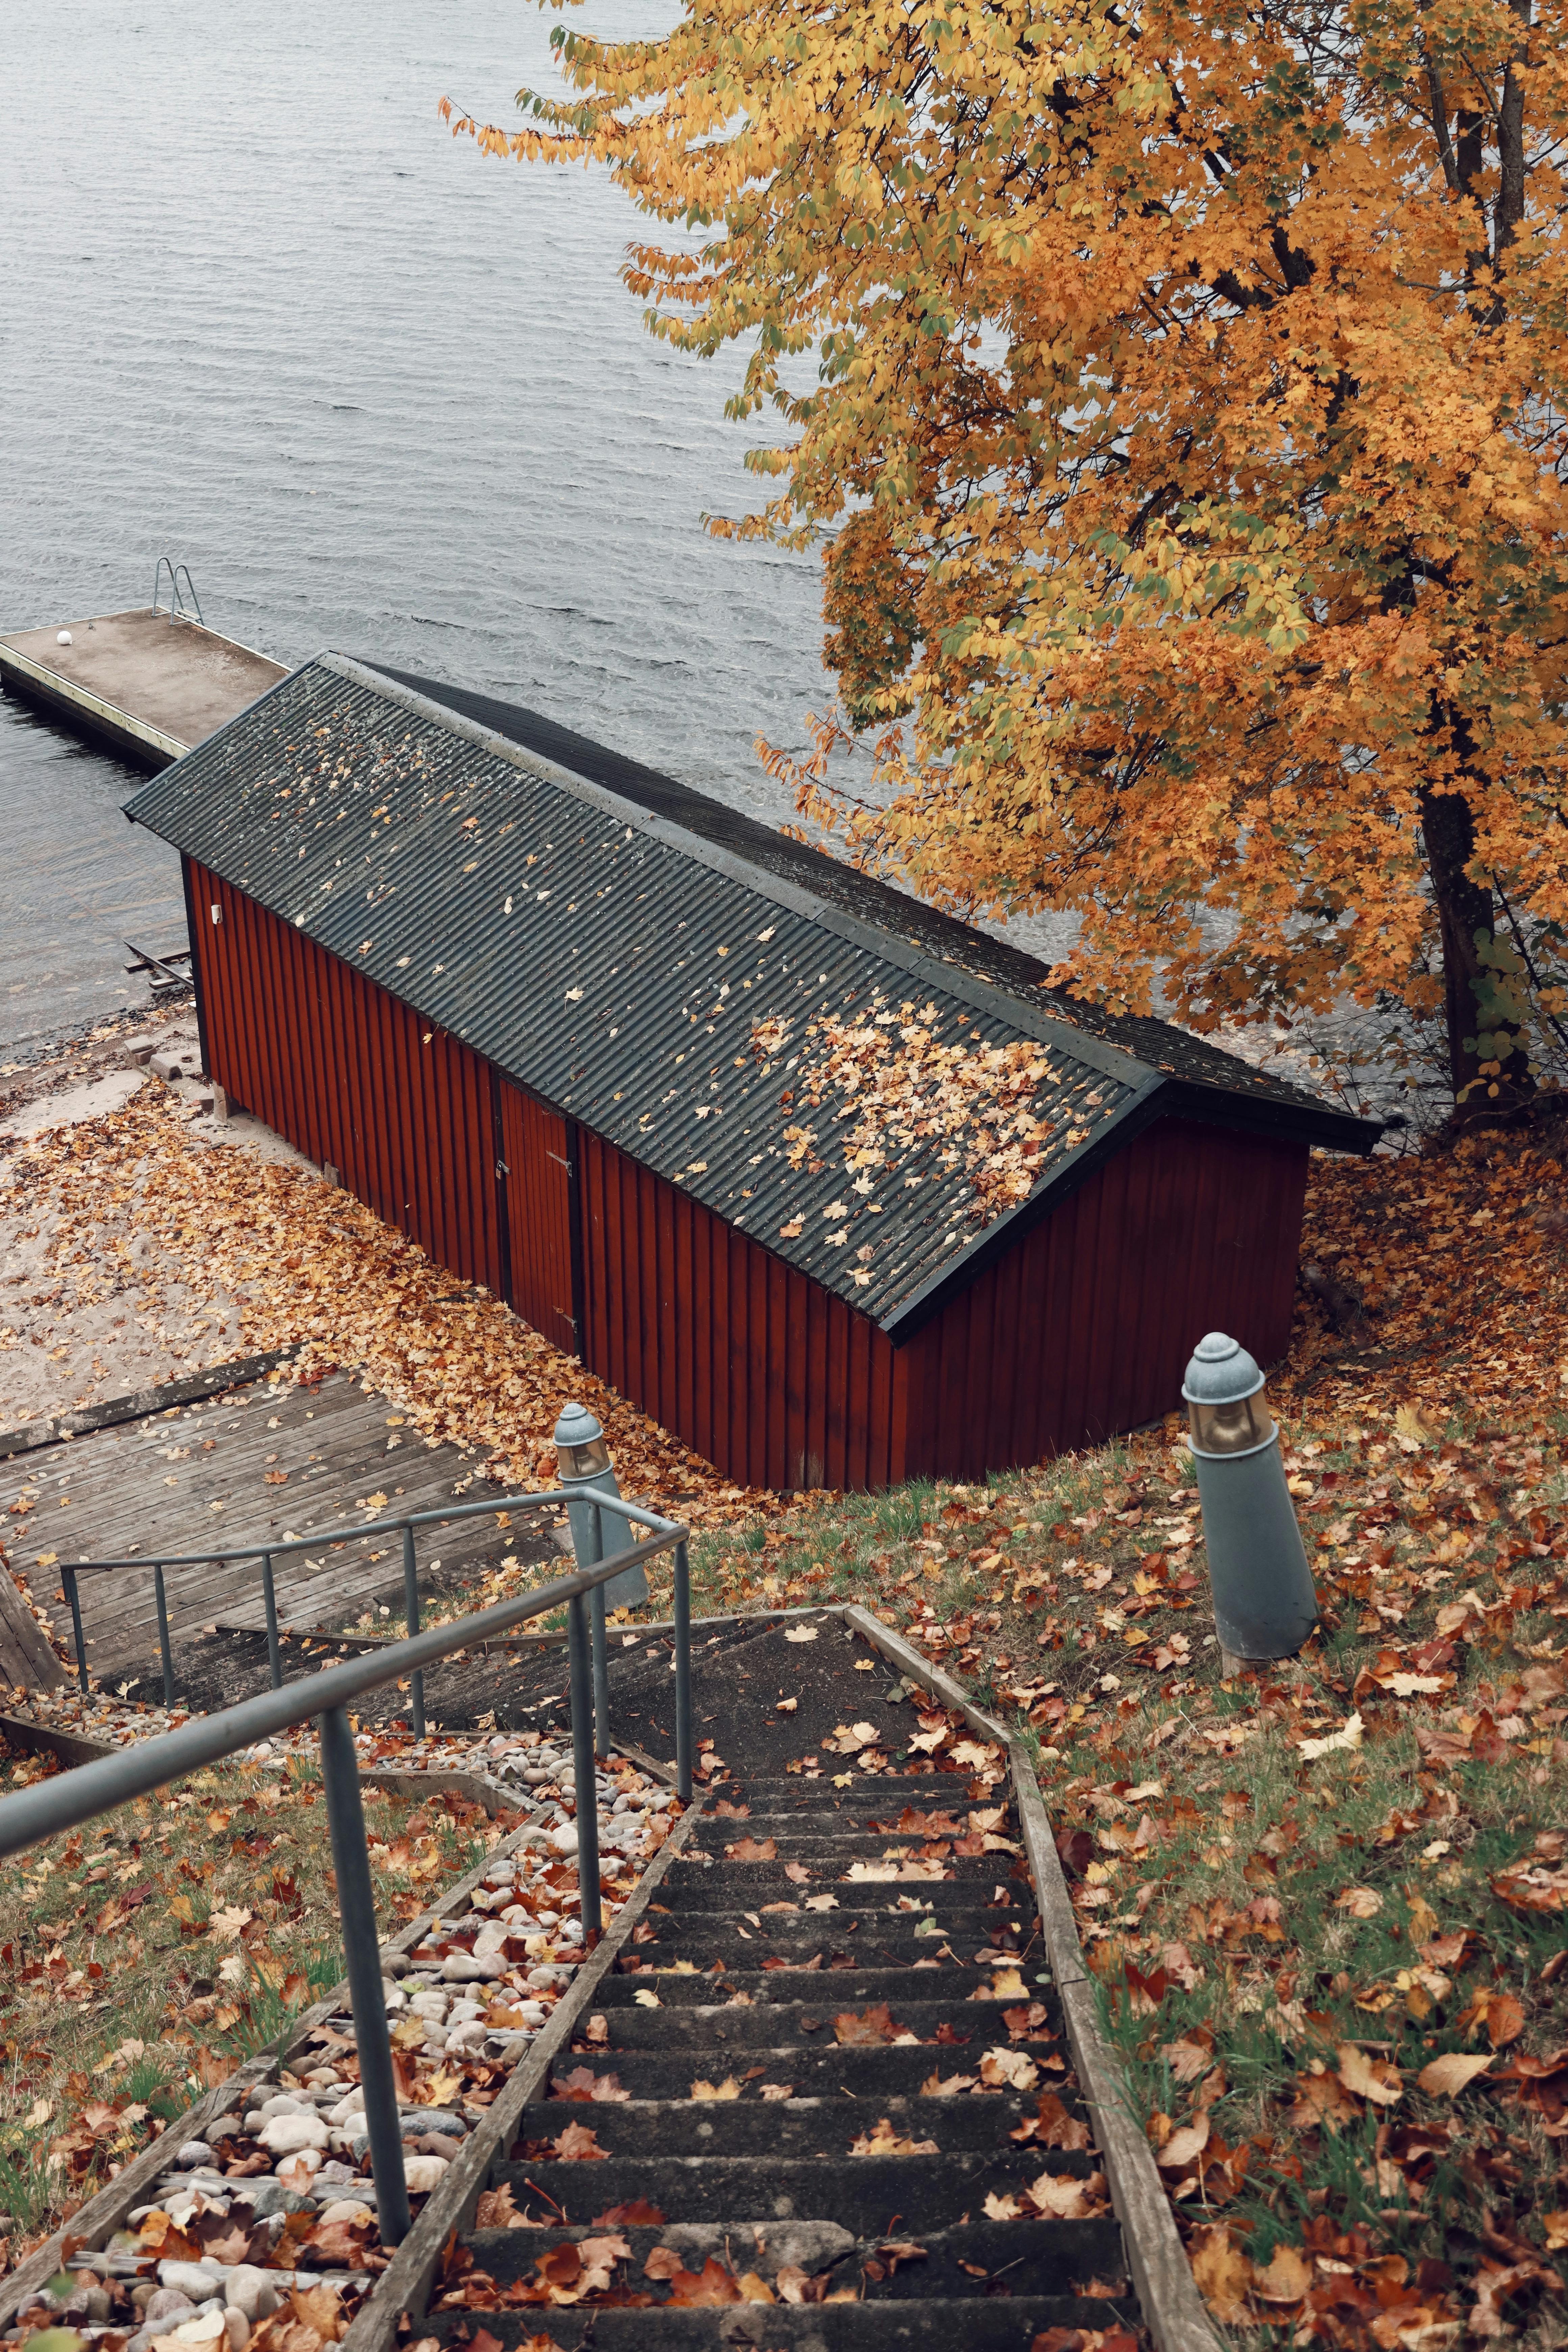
(590, 1038)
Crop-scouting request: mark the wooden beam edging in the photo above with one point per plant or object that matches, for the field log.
(141, 1404)
(103, 2214)
(1171, 2308)
(73, 1747)
(405, 2285)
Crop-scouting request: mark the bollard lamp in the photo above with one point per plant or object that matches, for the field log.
(584, 1457)
(1264, 1602)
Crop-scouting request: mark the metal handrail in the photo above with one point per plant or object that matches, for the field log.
(176, 602)
(73, 1797)
(638, 1513)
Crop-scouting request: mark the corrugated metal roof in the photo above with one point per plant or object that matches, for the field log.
(617, 943)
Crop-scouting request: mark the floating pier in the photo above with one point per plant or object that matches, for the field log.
(148, 683)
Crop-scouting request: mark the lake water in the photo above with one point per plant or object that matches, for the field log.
(259, 310)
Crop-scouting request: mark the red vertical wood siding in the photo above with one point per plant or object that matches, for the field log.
(398, 1106)
(770, 1377)
(1080, 1330)
(539, 1215)
(1084, 1326)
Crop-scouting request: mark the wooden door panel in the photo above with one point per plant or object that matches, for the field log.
(537, 1190)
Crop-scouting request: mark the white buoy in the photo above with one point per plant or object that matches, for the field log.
(64, 638)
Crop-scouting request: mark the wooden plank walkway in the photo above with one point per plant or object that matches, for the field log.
(269, 1459)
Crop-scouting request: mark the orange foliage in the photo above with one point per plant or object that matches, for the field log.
(1187, 436)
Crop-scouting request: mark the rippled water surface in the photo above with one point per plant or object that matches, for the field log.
(259, 310)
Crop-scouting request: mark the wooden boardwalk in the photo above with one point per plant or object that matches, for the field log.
(268, 1460)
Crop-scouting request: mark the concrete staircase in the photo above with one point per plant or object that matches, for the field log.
(762, 2226)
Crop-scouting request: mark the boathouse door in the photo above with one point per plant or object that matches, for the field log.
(534, 1176)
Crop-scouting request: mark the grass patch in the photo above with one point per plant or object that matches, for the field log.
(146, 1957)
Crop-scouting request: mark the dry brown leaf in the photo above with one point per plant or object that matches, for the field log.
(1286, 2278)
(1445, 2077)
(1369, 2078)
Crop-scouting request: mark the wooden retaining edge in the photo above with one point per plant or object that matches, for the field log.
(99, 2218)
(405, 2284)
(1172, 2309)
(72, 1748)
(142, 1403)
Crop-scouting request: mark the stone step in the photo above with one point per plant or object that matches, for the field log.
(852, 1984)
(968, 1872)
(806, 1840)
(999, 2323)
(971, 2122)
(875, 2073)
(860, 2193)
(963, 2262)
(745, 2025)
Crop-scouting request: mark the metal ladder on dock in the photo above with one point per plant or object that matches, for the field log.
(178, 609)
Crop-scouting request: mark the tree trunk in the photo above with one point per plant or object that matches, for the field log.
(1464, 908)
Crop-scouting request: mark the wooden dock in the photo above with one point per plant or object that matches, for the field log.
(148, 686)
(267, 1460)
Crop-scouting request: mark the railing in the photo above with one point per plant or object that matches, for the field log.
(597, 1501)
(178, 611)
(73, 1797)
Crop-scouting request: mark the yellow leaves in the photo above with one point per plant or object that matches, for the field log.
(1345, 1740)
(1369, 2078)
(1445, 2077)
(883, 2140)
(1013, 631)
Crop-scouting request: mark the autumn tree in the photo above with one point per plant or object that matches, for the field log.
(1178, 393)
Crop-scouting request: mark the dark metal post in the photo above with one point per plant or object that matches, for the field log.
(411, 1610)
(601, 1644)
(585, 1782)
(682, 1675)
(356, 1910)
(163, 1650)
(68, 1577)
(270, 1594)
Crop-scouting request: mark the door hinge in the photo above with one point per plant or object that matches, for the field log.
(501, 1167)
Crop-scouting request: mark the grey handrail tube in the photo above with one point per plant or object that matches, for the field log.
(72, 1798)
(328, 1539)
(637, 1512)
(75, 1797)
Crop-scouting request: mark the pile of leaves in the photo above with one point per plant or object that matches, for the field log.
(917, 1100)
(132, 1197)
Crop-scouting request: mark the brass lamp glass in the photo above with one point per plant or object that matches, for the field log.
(584, 1461)
(1232, 1427)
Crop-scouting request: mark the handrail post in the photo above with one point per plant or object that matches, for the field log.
(585, 1785)
(270, 1595)
(68, 1577)
(411, 1612)
(601, 1644)
(356, 1910)
(682, 1675)
(164, 1652)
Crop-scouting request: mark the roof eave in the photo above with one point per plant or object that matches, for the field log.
(1159, 1097)
(1142, 1109)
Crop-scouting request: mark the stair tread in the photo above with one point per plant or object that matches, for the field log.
(739, 2179)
